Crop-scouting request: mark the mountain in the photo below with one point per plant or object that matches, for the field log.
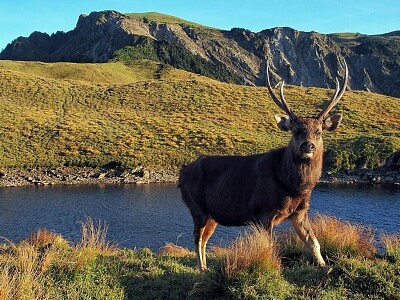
(237, 56)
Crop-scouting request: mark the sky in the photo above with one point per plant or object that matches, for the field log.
(22, 17)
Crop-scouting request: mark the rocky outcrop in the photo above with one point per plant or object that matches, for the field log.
(300, 58)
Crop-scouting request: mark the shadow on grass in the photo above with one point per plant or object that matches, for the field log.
(149, 276)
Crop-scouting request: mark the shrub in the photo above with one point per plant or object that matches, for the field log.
(362, 152)
(176, 56)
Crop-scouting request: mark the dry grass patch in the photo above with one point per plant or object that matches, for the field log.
(22, 270)
(93, 243)
(46, 266)
(25, 265)
(93, 235)
(43, 237)
(170, 249)
(252, 250)
(335, 237)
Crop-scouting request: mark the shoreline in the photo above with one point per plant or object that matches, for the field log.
(363, 176)
(82, 175)
(89, 175)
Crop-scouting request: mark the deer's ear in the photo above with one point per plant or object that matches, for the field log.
(283, 122)
(332, 122)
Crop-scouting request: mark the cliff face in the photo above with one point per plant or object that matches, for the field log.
(300, 58)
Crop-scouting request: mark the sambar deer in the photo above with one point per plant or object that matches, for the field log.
(265, 188)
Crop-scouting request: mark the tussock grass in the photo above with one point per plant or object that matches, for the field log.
(93, 244)
(252, 250)
(43, 237)
(93, 235)
(21, 276)
(335, 237)
(45, 266)
(247, 268)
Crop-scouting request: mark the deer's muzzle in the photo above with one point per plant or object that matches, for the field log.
(308, 149)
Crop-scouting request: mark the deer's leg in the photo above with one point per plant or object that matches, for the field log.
(268, 222)
(209, 229)
(197, 235)
(302, 225)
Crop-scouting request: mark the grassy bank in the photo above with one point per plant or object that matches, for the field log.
(148, 115)
(46, 266)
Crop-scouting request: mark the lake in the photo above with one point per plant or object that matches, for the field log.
(151, 215)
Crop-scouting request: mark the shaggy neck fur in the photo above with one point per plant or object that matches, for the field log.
(300, 175)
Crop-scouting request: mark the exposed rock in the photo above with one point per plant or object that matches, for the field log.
(393, 162)
(377, 176)
(83, 175)
(86, 175)
(300, 58)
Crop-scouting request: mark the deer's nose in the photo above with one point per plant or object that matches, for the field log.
(307, 147)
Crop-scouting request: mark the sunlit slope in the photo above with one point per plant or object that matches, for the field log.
(114, 72)
(162, 19)
(164, 123)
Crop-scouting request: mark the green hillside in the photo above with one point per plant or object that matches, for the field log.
(162, 19)
(111, 73)
(159, 117)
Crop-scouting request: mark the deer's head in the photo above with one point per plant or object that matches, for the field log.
(307, 131)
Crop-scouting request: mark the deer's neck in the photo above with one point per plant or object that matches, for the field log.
(300, 175)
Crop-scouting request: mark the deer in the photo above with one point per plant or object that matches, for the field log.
(266, 188)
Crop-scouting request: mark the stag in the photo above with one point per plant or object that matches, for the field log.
(265, 188)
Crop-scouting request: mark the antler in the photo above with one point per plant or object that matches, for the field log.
(280, 102)
(336, 97)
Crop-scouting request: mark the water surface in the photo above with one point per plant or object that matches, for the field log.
(150, 215)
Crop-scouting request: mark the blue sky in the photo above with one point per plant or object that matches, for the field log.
(22, 17)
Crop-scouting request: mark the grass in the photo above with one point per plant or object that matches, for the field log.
(336, 237)
(101, 73)
(349, 39)
(162, 19)
(147, 115)
(392, 246)
(253, 251)
(46, 266)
